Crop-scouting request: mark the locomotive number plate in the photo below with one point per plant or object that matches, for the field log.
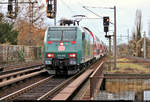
(61, 48)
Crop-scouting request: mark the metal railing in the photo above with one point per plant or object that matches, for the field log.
(129, 81)
(125, 89)
(96, 80)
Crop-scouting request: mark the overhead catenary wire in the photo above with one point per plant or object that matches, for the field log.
(65, 4)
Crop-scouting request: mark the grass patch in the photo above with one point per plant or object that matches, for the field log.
(133, 68)
(122, 59)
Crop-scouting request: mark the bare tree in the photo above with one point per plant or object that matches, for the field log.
(138, 24)
(30, 18)
(32, 12)
(136, 43)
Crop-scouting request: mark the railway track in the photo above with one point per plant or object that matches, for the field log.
(72, 91)
(23, 90)
(10, 77)
(138, 58)
(19, 68)
(40, 90)
(48, 88)
(9, 67)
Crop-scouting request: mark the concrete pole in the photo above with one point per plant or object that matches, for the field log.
(115, 55)
(55, 21)
(109, 66)
(16, 8)
(128, 42)
(110, 45)
(144, 45)
(55, 5)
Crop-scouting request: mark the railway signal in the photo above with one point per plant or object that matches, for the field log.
(13, 7)
(106, 21)
(106, 24)
(10, 6)
(106, 29)
(12, 10)
(51, 8)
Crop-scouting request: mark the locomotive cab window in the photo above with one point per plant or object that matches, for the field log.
(62, 35)
(69, 35)
(54, 35)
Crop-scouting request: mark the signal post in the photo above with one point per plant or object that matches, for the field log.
(106, 29)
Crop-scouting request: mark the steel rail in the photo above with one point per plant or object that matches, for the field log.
(64, 94)
(57, 88)
(125, 76)
(19, 72)
(51, 92)
(8, 82)
(19, 68)
(138, 58)
(17, 93)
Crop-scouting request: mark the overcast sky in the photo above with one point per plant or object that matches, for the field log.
(126, 10)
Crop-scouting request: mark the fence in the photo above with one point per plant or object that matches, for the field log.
(19, 53)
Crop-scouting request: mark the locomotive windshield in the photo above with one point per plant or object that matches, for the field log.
(69, 35)
(62, 35)
(54, 35)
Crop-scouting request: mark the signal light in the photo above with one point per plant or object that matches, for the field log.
(72, 55)
(50, 55)
(51, 8)
(106, 21)
(10, 8)
(106, 24)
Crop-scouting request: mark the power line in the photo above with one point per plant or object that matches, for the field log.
(70, 9)
(85, 7)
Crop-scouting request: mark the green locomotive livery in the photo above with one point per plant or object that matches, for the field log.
(67, 49)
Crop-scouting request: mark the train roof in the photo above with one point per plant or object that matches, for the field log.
(63, 26)
(89, 32)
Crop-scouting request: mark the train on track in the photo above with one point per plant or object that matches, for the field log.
(67, 49)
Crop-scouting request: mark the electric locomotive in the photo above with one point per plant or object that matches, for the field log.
(67, 49)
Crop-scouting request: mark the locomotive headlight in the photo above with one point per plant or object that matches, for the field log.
(72, 55)
(50, 55)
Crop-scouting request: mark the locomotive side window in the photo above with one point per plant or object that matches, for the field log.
(83, 36)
